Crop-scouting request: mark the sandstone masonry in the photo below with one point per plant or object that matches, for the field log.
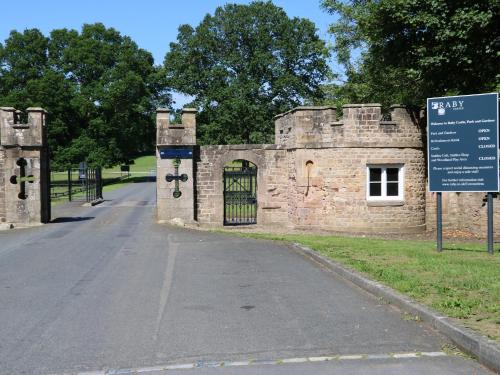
(316, 173)
(24, 185)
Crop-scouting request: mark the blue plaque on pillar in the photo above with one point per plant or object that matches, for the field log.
(176, 153)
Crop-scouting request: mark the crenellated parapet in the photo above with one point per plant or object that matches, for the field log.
(13, 133)
(176, 134)
(361, 125)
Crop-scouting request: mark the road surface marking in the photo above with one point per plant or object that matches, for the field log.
(269, 362)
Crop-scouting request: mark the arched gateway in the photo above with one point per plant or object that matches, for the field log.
(240, 193)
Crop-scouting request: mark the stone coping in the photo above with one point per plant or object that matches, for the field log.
(316, 145)
(394, 144)
(305, 108)
(30, 109)
(366, 105)
(323, 108)
(244, 147)
(36, 109)
(184, 110)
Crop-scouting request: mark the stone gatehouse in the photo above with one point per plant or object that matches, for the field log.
(355, 173)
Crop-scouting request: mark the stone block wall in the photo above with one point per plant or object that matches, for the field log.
(272, 182)
(316, 174)
(327, 167)
(360, 125)
(175, 139)
(24, 199)
(465, 212)
(333, 196)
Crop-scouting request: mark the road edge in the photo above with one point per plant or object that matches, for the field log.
(486, 351)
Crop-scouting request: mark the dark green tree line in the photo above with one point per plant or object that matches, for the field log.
(413, 49)
(245, 64)
(99, 87)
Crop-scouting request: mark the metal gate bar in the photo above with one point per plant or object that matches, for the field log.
(76, 184)
(240, 195)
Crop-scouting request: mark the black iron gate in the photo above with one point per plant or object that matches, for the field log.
(82, 184)
(240, 195)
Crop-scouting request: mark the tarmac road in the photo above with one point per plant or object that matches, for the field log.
(106, 288)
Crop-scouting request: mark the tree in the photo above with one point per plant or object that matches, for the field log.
(413, 49)
(100, 89)
(244, 65)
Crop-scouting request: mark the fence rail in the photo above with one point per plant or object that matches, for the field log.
(76, 184)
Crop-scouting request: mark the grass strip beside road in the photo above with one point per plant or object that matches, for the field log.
(141, 166)
(462, 282)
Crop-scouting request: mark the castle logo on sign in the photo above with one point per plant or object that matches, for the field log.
(455, 105)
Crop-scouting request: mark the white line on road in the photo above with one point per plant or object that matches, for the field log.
(167, 283)
(283, 361)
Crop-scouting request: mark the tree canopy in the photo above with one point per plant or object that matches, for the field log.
(245, 64)
(99, 88)
(413, 49)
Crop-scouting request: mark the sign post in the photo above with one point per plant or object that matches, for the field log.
(462, 149)
(439, 221)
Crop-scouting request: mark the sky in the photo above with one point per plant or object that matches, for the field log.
(152, 24)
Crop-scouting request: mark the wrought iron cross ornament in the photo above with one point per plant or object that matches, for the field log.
(183, 177)
(22, 179)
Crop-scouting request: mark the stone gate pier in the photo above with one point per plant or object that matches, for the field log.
(24, 168)
(175, 189)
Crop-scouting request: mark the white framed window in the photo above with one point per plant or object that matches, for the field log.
(384, 182)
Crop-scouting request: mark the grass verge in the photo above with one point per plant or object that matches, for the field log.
(462, 282)
(141, 166)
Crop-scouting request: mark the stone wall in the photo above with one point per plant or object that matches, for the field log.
(334, 197)
(174, 143)
(272, 182)
(361, 125)
(24, 182)
(316, 174)
(465, 212)
(327, 168)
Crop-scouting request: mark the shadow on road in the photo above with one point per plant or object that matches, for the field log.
(71, 219)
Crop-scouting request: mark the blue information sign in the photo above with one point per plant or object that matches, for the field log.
(176, 152)
(463, 143)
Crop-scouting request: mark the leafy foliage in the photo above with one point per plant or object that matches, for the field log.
(244, 65)
(99, 88)
(413, 49)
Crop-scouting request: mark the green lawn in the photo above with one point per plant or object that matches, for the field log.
(113, 178)
(462, 282)
(141, 167)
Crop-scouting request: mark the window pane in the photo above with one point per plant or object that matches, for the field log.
(375, 174)
(392, 174)
(375, 189)
(392, 189)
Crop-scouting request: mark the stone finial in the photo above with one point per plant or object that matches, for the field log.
(162, 117)
(189, 117)
(7, 115)
(400, 113)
